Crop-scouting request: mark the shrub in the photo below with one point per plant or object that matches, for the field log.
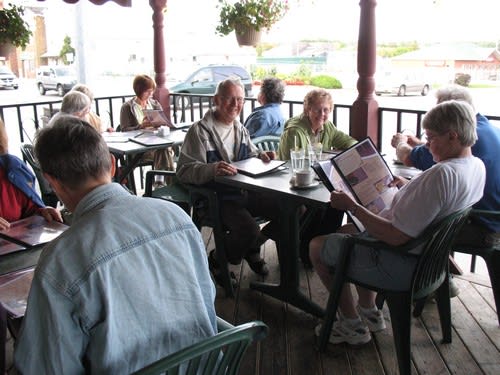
(462, 79)
(326, 82)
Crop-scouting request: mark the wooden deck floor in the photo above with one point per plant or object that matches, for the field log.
(289, 348)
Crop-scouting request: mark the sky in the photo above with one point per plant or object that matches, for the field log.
(397, 20)
(111, 31)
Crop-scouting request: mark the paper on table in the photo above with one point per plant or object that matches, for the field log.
(255, 167)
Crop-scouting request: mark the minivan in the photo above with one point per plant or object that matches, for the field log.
(60, 78)
(204, 81)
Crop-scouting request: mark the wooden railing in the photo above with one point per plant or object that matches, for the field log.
(29, 117)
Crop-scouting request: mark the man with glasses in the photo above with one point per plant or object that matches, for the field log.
(210, 146)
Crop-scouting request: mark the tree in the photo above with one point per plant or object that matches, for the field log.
(66, 50)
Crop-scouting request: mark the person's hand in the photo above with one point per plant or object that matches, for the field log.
(267, 156)
(414, 141)
(225, 169)
(110, 130)
(398, 138)
(398, 181)
(341, 201)
(50, 213)
(4, 224)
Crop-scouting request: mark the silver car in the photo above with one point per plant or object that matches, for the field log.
(401, 85)
(8, 79)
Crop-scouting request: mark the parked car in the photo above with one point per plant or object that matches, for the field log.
(204, 81)
(401, 85)
(8, 79)
(60, 78)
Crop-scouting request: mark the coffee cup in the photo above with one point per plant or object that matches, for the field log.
(304, 177)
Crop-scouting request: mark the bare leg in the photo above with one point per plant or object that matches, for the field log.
(346, 302)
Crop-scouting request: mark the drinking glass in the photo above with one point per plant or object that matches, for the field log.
(297, 157)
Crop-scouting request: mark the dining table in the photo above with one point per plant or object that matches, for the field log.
(291, 201)
(128, 150)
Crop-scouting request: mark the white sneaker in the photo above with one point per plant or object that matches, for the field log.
(373, 319)
(343, 331)
(454, 290)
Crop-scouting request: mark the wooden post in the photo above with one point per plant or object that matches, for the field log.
(161, 93)
(364, 114)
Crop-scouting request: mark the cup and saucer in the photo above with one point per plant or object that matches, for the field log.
(303, 179)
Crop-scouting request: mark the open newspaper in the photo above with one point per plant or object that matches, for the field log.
(361, 172)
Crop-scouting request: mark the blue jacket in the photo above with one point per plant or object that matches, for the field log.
(265, 120)
(21, 177)
(125, 285)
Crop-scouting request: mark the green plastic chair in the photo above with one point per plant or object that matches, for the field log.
(267, 142)
(430, 275)
(217, 355)
(174, 191)
(491, 256)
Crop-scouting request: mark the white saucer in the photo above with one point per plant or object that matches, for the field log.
(311, 185)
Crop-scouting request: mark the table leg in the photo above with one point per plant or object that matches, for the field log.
(127, 170)
(288, 253)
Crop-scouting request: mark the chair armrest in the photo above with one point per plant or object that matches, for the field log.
(150, 175)
(222, 325)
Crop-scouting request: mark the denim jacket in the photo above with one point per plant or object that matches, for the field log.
(125, 285)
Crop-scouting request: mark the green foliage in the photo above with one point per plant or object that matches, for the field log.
(13, 28)
(462, 79)
(66, 48)
(326, 82)
(258, 14)
(393, 49)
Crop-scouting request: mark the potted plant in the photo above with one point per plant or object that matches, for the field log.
(249, 17)
(14, 30)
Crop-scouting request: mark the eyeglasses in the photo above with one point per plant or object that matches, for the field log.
(233, 99)
(430, 138)
(321, 111)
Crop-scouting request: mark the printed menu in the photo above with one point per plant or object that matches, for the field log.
(33, 231)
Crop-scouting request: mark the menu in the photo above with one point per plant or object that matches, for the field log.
(7, 247)
(14, 290)
(361, 172)
(33, 230)
(255, 167)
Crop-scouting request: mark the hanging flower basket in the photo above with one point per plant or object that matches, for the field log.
(247, 36)
(248, 18)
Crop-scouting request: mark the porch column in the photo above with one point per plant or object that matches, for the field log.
(364, 119)
(161, 93)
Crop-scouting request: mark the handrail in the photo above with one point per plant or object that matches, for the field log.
(191, 107)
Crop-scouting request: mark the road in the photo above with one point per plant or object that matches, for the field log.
(485, 99)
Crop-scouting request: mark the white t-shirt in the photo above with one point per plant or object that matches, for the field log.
(447, 187)
(227, 135)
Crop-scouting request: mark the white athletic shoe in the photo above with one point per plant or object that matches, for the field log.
(373, 319)
(342, 331)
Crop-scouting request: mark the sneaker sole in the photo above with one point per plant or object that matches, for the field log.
(352, 341)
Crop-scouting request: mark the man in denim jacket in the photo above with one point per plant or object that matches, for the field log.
(125, 285)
